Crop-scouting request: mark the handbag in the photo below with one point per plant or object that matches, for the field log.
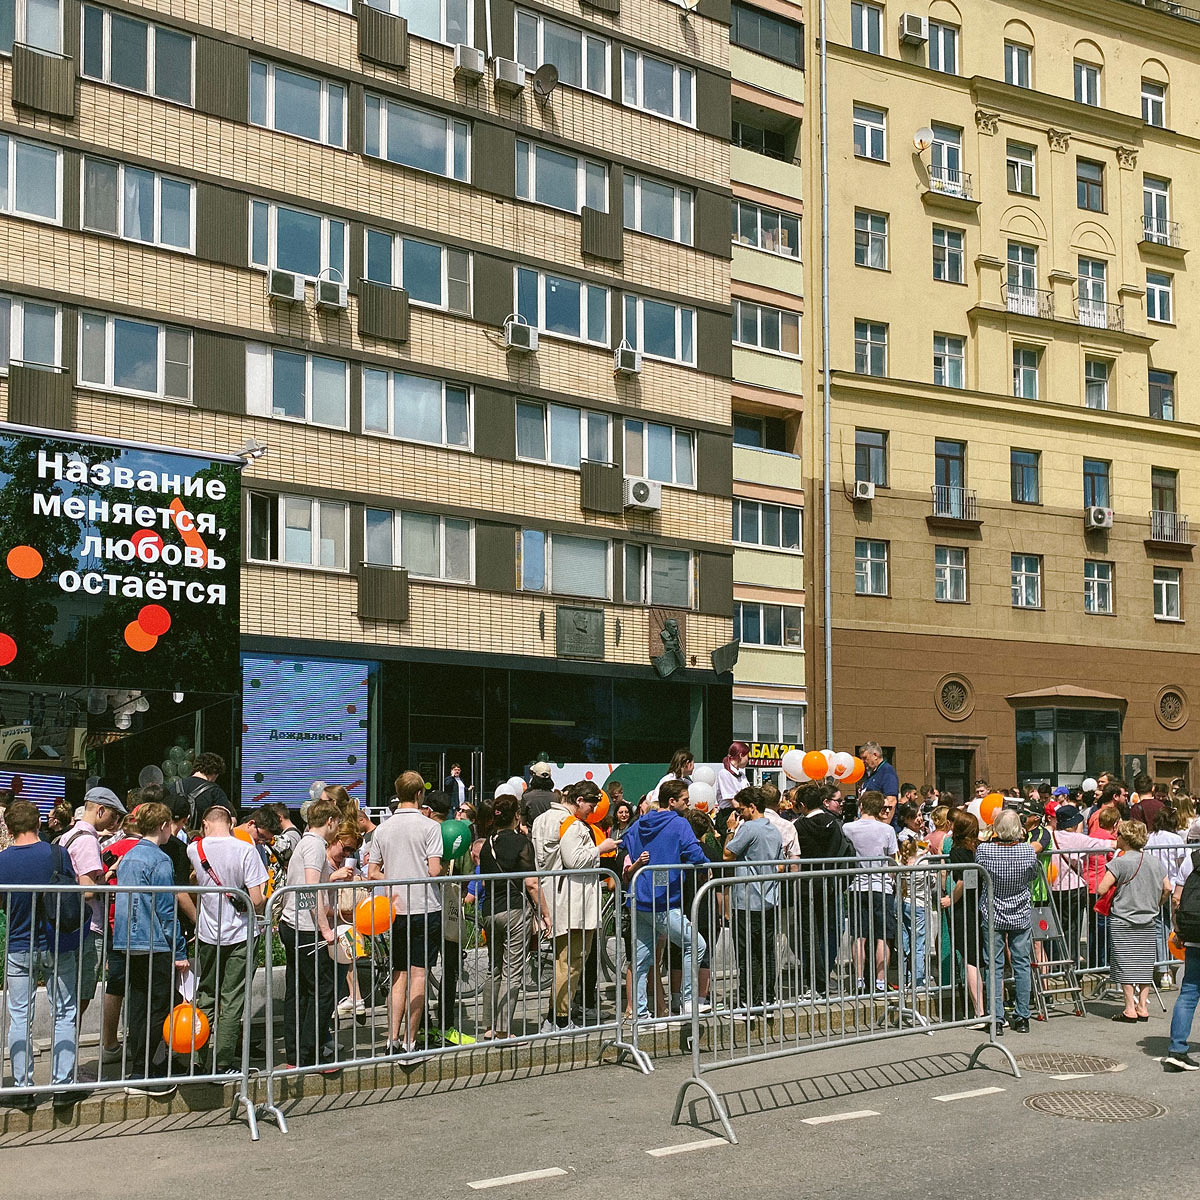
(1103, 907)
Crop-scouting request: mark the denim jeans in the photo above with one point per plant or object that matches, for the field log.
(1185, 1002)
(648, 927)
(20, 984)
(1020, 947)
(914, 931)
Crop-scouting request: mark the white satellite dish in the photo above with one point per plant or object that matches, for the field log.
(923, 139)
(545, 80)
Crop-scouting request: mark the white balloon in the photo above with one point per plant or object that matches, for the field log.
(703, 774)
(505, 789)
(702, 795)
(974, 808)
(792, 766)
(517, 784)
(841, 764)
(1090, 785)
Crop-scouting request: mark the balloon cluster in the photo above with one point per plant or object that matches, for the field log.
(702, 791)
(984, 810)
(822, 764)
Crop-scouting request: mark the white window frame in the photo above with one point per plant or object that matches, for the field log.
(1168, 582)
(552, 411)
(16, 332)
(742, 506)
(377, 115)
(1160, 297)
(786, 319)
(793, 647)
(397, 9)
(1098, 587)
(683, 108)
(107, 384)
(943, 47)
(869, 345)
(106, 54)
(1097, 376)
(1087, 83)
(642, 468)
(396, 277)
(762, 233)
(604, 87)
(527, 167)
(21, 28)
(866, 27)
(1025, 567)
(685, 329)
(643, 585)
(390, 401)
(550, 589)
(1018, 64)
(1018, 168)
(585, 289)
(952, 256)
(1154, 103)
(950, 584)
(328, 267)
(280, 534)
(1027, 364)
(260, 385)
(950, 349)
(870, 233)
(684, 208)
(1156, 210)
(9, 206)
(159, 180)
(870, 567)
(758, 730)
(872, 122)
(397, 543)
(326, 138)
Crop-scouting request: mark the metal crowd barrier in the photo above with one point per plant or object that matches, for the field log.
(95, 976)
(861, 973)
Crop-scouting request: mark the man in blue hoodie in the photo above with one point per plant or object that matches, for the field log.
(662, 838)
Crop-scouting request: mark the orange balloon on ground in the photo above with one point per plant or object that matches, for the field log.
(815, 765)
(857, 771)
(25, 562)
(185, 1029)
(989, 806)
(600, 811)
(373, 916)
(1175, 946)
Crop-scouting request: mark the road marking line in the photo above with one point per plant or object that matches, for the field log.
(846, 1116)
(524, 1177)
(685, 1147)
(1083, 1076)
(987, 1091)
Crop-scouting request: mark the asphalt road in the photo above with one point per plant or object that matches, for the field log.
(590, 1131)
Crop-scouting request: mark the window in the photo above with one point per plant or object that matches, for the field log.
(1021, 160)
(1092, 291)
(129, 53)
(1026, 581)
(1024, 467)
(1162, 395)
(30, 333)
(772, 526)
(1158, 297)
(764, 328)
(287, 239)
(660, 452)
(1156, 210)
(559, 563)
(866, 27)
(581, 58)
(437, 20)
(762, 433)
(426, 545)
(1095, 383)
(298, 531)
(1018, 65)
(870, 567)
(668, 580)
(950, 574)
(1022, 279)
(660, 209)
(767, 34)
(431, 274)
(1063, 745)
(135, 356)
(140, 205)
(870, 132)
(31, 179)
(1164, 489)
(1096, 490)
(754, 722)
(1097, 586)
(658, 86)
(413, 137)
(1087, 84)
(949, 478)
(1154, 103)
(660, 330)
(1166, 594)
(416, 409)
(945, 161)
(870, 457)
(760, 140)
(562, 435)
(298, 387)
(947, 254)
(870, 239)
(290, 102)
(779, 625)
(762, 228)
(562, 306)
(943, 47)
(870, 348)
(948, 360)
(560, 180)
(1089, 185)
(1025, 372)
(36, 23)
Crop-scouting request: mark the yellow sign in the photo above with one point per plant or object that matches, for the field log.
(769, 754)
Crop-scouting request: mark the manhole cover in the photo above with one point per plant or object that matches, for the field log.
(1094, 1106)
(1068, 1064)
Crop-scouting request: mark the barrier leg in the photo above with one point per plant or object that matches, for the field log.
(718, 1107)
(992, 1044)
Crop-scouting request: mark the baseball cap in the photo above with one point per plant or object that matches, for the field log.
(540, 768)
(107, 797)
(1067, 815)
(437, 802)
(1061, 790)
(1051, 807)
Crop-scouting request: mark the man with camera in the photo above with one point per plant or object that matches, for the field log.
(222, 860)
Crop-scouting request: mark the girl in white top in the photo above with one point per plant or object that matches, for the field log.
(731, 778)
(683, 763)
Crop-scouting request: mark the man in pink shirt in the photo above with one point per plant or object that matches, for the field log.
(1080, 861)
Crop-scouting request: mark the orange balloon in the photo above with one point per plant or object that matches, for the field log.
(814, 765)
(136, 638)
(600, 811)
(185, 1029)
(1052, 872)
(373, 916)
(989, 806)
(1175, 946)
(25, 562)
(857, 771)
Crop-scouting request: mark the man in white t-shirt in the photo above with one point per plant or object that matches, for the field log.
(872, 909)
(222, 928)
(408, 845)
(1177, 1058)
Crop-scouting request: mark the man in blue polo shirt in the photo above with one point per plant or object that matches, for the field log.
(881, 776)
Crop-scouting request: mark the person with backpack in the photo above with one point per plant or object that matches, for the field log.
(822, 842)
(201, 787)
(1187, 930)
(43, 939)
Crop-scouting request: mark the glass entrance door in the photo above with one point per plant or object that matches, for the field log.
(436, 766)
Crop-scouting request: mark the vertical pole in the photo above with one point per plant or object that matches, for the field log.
(826, 566)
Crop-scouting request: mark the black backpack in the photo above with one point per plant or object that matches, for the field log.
(1187, 915)
(61, 912)
(195, 796)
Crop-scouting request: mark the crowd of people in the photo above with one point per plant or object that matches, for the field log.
(891, 887)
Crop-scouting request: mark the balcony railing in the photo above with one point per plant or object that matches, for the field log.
(1097, 314)
(1160, 232)
(1171, 8)
(950, 183)
(1169, 527)
(954, 503)
(1029, 302)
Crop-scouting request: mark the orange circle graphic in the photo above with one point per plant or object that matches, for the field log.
(136, 638)
(25, 562)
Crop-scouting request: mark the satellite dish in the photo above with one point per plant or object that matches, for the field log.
(545, 80)
(923, 138)
(148, 776)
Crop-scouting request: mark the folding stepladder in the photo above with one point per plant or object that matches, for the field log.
(1059, 963)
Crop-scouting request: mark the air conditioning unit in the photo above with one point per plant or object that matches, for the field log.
(864, 489)
(284, 285)
(1095, 517)
(510, 76)
(914, 29)
(520, 336)
(642, 493)
(627, 360)
(469, 63)
(331, 294)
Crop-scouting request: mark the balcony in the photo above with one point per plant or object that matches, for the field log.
(1170, 8)
(1097, 314)
(950, 190)
(1028, 302)
(1169, 531)
(954, 507)
(1162, 238)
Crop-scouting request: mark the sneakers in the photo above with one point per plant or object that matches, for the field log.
(349, 1007)
(553, 1027)
(111, 1054)
(1020, 1024)
(455, 1037)
(160, 1090)
(1180, 1062)
(881, 985)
